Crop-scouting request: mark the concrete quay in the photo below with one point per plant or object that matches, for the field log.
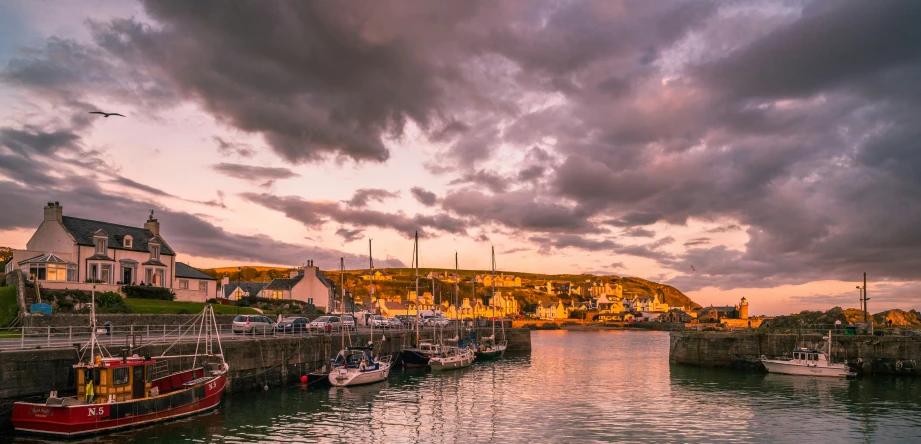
(867, 355)
(254, 362)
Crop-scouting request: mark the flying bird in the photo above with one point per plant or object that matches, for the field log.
(106, 114)
(692, 268)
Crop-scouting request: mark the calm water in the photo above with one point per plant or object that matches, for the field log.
(574, 387)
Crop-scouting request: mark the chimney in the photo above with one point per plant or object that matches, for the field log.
(294, 273)
(152, 225)
(225, 281)
(54, 211)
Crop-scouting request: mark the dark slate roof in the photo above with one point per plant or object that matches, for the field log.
(100, 257)
(155, 262)
(83, 229)
(252, 287)
(283, 283)
(185, 271)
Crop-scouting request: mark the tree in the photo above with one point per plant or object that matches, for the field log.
(6, 253)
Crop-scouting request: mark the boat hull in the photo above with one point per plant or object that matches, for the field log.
(490, 353)
(786, 368)
(341, 377)
(412, 357)
(452, 362)
(87, 419)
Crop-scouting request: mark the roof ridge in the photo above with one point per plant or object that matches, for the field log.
(110, 223)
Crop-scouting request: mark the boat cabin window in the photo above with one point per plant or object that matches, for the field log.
(148, 371)
(120, 375)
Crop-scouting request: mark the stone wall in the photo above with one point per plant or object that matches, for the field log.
(26, 373)
(865, 354)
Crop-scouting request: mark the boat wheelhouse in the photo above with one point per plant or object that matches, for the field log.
(807, 362)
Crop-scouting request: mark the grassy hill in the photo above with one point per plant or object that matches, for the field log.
(403, 282)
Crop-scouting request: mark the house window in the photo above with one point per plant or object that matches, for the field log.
(154, 252)
(238, 294)
(277, 294)
(129, 242)
(158, 278)
(310, 300)
(148, 273)
(202, 286)
(101, 246)
(184, 284)
(94, 271)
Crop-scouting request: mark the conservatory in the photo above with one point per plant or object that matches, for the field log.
(48, 267)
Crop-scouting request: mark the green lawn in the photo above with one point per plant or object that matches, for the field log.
(7, 302)
(153, 306)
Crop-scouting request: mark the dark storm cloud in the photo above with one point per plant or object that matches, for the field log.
(697, 241)
(638, 232)
(519, 210)
(573, 241)
(228, 147)
(363, 196)
(254, 173)
(488, 179)
(315, 215)
(424, 196)
(349, 235)
(139, 186)
(32, 141)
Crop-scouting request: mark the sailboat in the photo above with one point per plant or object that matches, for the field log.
(458, 356)
(358, 365)
(419, 354)
(488, 348)
(115, 393)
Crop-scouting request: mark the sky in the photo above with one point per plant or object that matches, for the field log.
(766, 149)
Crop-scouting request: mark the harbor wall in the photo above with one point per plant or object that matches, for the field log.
(254, 362)
(865, 354)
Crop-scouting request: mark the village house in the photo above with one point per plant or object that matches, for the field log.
(378, 275)
(76, 253)
(449, 278)
(390, 309)
(718, 313)
(651, 304)
(192, 279)
(596, 289)
(307, 284)
(609, 305)
(552, 310)
(676, 315)
(505, 305)
(237, 290)
(502, 280)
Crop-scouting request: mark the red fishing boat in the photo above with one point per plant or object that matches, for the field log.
(120, 392)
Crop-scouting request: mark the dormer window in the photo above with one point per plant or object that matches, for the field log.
(154, 252)
(129, 242)
(101, 246)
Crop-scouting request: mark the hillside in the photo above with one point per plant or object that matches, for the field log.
(403, 282)
(899, 318)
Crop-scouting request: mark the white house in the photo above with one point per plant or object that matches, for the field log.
(70, 250)
(307, 284)
(192, 280)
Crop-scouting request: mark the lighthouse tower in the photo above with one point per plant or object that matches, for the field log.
(743, 309)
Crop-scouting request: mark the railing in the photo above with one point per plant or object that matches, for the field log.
(121, 335)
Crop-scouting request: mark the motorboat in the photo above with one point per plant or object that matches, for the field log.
(807, 362)
(358, 366)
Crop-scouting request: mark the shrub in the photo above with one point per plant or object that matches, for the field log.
(211, 301)
(183, 311)
(143, 292)
(111, 302)
(319, 312)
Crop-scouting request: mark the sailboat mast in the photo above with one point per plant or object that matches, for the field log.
(342, 282)
(93, 326)
(493, 300)
(370, 290)
(416, 260)
(456, 290)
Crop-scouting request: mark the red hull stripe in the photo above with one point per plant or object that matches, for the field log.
(94, 418)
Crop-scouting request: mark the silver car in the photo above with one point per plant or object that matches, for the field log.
(395, 323)
(253, 324)
(323, 322)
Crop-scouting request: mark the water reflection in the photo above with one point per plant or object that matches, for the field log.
(573, 387)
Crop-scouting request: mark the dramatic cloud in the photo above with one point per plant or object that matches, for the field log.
(349, 235)
(254, 173)
(226, 147)
(363, 196)
(424, 197)
(315, 215)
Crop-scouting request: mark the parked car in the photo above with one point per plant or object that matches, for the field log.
(378, 321)
(323, 321)
(437, 322)
(252, 324)
(395, 323)
(293, 325)
(407, 320)
(348, 321)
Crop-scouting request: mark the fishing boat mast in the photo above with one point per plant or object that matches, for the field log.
(416, 260)
(456, 290)
(370, 293)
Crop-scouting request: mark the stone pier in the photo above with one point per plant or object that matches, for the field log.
(865, 354)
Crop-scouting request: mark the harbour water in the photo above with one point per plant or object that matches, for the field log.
(573, 387)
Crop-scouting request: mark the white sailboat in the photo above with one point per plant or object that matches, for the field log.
(358, 365)
(807, 362)
(488, 348)
(457, 356)
(419, 354)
